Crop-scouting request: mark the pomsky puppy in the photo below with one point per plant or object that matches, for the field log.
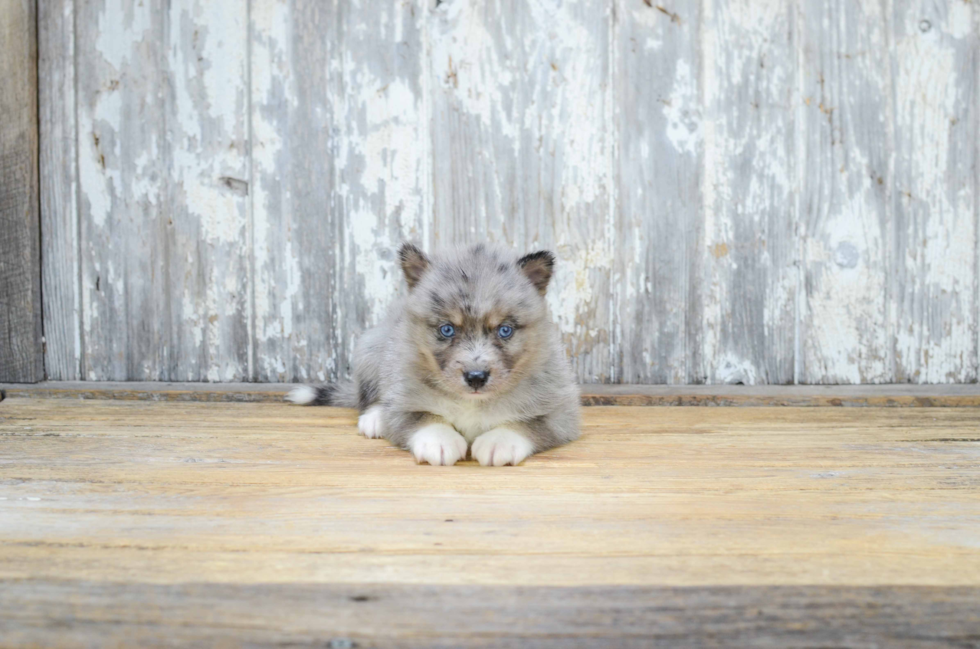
(469, 357)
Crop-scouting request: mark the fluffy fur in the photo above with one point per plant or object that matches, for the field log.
(410, 380)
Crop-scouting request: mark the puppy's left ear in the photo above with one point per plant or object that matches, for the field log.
(537, 267)
(414, 263)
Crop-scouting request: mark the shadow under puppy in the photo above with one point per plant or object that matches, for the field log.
(469, 356)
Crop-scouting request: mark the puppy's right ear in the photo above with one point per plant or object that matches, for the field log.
(414, 263)
(537, 267)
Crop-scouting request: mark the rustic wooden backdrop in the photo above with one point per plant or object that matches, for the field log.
(757, 191)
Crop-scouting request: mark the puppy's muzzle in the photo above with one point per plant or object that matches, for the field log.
(476, 380)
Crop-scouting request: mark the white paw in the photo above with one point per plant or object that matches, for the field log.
(370, 423)
(438, 444)
(501, 446)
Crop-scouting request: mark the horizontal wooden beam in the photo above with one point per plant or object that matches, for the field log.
(54, 613)
(891, 395)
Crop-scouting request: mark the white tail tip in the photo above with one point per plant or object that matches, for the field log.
(303, 395)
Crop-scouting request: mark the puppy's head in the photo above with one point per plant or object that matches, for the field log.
(477, 316)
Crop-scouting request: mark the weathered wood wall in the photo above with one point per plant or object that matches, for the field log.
(752, 191)
(21, 352)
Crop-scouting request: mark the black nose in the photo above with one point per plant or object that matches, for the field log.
(476, 380)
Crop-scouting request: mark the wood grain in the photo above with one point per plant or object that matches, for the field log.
(749, 270)
(382, 179)
(59, 191)
(21, 353)
(162, 136)
(737, 192)
(145, 523)
(142, 523)
(660, 161)
(337, 109)
(123, 221)
(261, 493)
(937, 124)
(846, 218)
(976, 194)
(297, 222)
(521, 153)
(73, 613)
(207, 282)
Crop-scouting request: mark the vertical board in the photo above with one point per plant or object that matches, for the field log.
(659, 227)
(382, 153)
(845, 325)
(522, 152)
(976, 196)
(162, 192)
(937, 126)
(21, 352)
(296, 226)
(207, 189)
(339, 157)
(123, 172)
(748, 269)
(59, 206)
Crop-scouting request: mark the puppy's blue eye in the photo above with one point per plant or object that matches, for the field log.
(447, 330)
(505, 331)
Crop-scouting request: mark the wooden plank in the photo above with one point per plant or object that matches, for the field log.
(935, 59)
(21, 351)
(748, 260)
(207, 267)
(339, 163)
(660, 156)
(845, 319)
(59, 187)
(123, 207)
(51, 613)
(328, 226)
(522, 150)
(976, 205)
(383, 176)
(171, 493)
(298, 330)
(162, 189)
(889, 395)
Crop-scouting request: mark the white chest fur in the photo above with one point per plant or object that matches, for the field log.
(471, 420)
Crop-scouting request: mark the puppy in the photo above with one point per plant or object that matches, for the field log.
(469, 357)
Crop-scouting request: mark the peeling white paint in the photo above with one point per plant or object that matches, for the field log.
(748, 280)
(934, 309)
(466, 63)
(682, 111)
(120, 24)
(277, 279)
(389, 148)
(465, 121)
(573, 283)
(729, 368)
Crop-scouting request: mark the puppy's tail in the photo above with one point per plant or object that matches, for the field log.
(342, 395)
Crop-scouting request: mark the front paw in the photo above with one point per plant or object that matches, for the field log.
(501, 446)
(370, 423)
(438, 444)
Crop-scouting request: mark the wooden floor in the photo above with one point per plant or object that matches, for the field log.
(155, 523)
